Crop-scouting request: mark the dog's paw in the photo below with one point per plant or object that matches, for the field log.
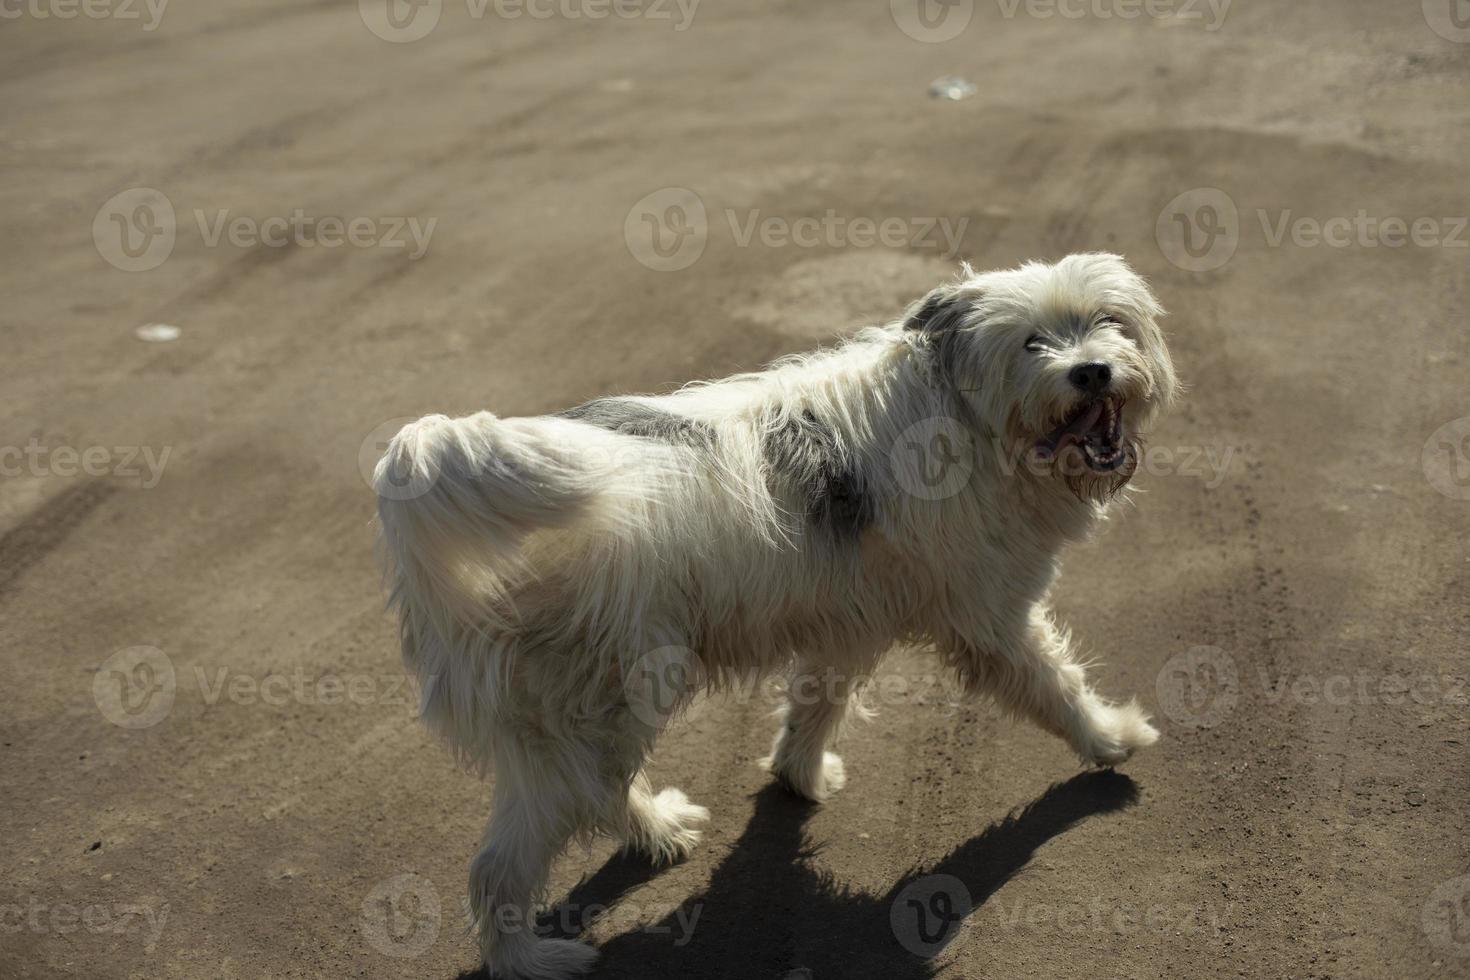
(1118, 730)
(815, 779)
(668, 830)
(544, 959)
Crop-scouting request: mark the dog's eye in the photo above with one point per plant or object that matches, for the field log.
(1035, 344)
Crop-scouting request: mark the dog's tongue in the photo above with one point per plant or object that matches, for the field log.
(1071, 433)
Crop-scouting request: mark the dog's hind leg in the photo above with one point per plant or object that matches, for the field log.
(664, 826)
(536, 813)
(817, 702)
(1035, 675)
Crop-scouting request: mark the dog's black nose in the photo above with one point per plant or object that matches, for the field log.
(1092, 377)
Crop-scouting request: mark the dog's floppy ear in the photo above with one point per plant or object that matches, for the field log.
(935, 323)
(938, 311)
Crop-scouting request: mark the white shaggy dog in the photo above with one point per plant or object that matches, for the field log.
(917, 483)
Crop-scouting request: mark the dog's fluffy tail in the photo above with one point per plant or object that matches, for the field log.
(458, 499)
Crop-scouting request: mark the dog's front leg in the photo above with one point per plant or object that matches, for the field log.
(817, 701)
(1032, 673)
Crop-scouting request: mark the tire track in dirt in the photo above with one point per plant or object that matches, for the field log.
(46, 529)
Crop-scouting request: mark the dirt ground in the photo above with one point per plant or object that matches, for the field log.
(210, 764)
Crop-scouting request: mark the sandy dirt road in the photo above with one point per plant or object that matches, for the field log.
(210, 766)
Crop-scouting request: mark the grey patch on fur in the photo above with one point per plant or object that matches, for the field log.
(926, 311)
(806, 453)
(940, 311)
(936, 320)
(630, 418)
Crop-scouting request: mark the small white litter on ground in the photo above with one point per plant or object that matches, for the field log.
(157, 333)
(952, 87)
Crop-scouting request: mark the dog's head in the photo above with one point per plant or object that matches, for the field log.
(1064, 365)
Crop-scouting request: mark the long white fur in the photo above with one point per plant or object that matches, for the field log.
(546, 560)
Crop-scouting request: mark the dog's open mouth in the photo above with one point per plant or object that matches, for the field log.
(1096, 429)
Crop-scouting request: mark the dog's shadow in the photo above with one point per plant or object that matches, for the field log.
(770, 914)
